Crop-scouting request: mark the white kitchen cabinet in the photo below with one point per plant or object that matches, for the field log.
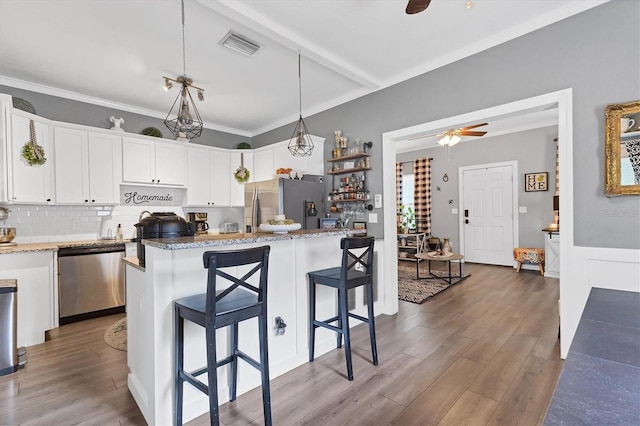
(87, 167)
(153, 162)
(210, 180)
(220, 178)
(237, 189)
(37, 295)
(5, 117)
(552, 255)
(30, 184)
(263, 164)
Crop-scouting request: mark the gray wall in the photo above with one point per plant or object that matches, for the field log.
(534, 150)
(69, 111)
(595, 53)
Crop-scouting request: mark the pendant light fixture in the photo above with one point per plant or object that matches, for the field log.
(300, 144)
(187, 123)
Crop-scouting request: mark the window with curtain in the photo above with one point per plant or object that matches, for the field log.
(422, 194)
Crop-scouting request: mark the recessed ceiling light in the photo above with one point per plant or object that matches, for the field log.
(240, 44)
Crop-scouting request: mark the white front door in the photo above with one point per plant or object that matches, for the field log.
(488, 214)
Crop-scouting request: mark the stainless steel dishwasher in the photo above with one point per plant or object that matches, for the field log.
(91, 281)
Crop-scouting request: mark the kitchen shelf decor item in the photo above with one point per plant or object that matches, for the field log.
(188, 123)
(280, 229)
(152, 131)
(300, 144)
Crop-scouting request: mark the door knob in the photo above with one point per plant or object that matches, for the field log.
(466, 221)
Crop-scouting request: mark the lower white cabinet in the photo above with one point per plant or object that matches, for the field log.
(30, 184)
(552, 255)
(87, 167)
(37, 293)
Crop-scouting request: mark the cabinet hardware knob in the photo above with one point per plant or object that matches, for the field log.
(93, 201)
(86, 201)
(48, 199)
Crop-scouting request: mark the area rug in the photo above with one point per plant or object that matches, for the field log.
(116, 335)
(417, 291)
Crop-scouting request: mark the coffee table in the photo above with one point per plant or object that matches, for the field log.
(429, 257)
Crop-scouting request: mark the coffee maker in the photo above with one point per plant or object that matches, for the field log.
(198, 222)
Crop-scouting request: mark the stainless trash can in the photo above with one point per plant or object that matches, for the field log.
(8, 327)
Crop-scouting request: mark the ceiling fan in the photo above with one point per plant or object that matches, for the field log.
(417, 6)
(453, 136)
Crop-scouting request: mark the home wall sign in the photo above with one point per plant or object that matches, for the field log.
(150, 196)
(536, 181)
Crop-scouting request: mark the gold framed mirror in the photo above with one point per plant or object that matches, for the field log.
(622, 149)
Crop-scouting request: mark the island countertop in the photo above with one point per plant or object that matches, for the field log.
(211, 240)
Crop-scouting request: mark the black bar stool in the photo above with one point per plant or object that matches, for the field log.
(356, 270)
(221, 308)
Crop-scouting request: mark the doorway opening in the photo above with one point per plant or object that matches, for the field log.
(561, 103)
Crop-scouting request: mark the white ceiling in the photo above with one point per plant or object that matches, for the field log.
(114, 53)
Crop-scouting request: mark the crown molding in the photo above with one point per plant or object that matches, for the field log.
(75, 96)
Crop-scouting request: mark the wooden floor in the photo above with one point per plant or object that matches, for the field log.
(483, 352)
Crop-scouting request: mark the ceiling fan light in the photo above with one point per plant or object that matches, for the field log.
(468, 5)
(167, 84)
(454, 140)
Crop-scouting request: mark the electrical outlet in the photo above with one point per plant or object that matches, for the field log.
(454, 210)
(373, 217)
(377, 201)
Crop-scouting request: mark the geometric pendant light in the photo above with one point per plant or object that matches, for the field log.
(300, 144)
(187, 123)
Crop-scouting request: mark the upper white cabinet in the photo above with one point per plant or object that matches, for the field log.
(30, 184)
(263, 164)
(237, 189)
(152, 162)
(87, 166)
(210, 178)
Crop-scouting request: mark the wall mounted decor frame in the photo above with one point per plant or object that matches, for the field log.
(536, 182)
(622, 149)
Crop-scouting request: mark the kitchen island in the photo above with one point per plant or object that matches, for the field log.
(174, 268)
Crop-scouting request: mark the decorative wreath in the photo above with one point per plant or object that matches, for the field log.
(241, 174)
(31, 151)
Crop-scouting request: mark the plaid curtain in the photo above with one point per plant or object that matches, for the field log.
(398, 188)
(422, 194)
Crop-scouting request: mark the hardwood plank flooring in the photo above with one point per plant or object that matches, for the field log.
(484, 351)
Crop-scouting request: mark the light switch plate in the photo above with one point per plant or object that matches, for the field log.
(377, 199)
(454, 211)
(522, 209)
(373, 217)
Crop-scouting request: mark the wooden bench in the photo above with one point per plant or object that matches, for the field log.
(531, 255)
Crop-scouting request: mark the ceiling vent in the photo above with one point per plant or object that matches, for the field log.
(240, 44)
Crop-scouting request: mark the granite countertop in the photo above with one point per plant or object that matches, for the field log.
(54, 246)
(600, 380)
(212, 240)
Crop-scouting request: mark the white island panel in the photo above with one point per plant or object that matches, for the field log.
(175, 270)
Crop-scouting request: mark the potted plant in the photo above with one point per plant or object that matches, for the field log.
(408, 219)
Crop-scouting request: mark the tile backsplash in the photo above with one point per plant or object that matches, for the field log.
(37, 223)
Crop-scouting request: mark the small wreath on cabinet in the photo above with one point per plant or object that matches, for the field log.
(241, 174)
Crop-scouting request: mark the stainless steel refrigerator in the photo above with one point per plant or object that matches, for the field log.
(296, 199)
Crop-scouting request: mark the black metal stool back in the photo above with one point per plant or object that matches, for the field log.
(220, 308)
(356, 270)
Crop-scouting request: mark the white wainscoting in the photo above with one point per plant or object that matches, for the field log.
(615, 269)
